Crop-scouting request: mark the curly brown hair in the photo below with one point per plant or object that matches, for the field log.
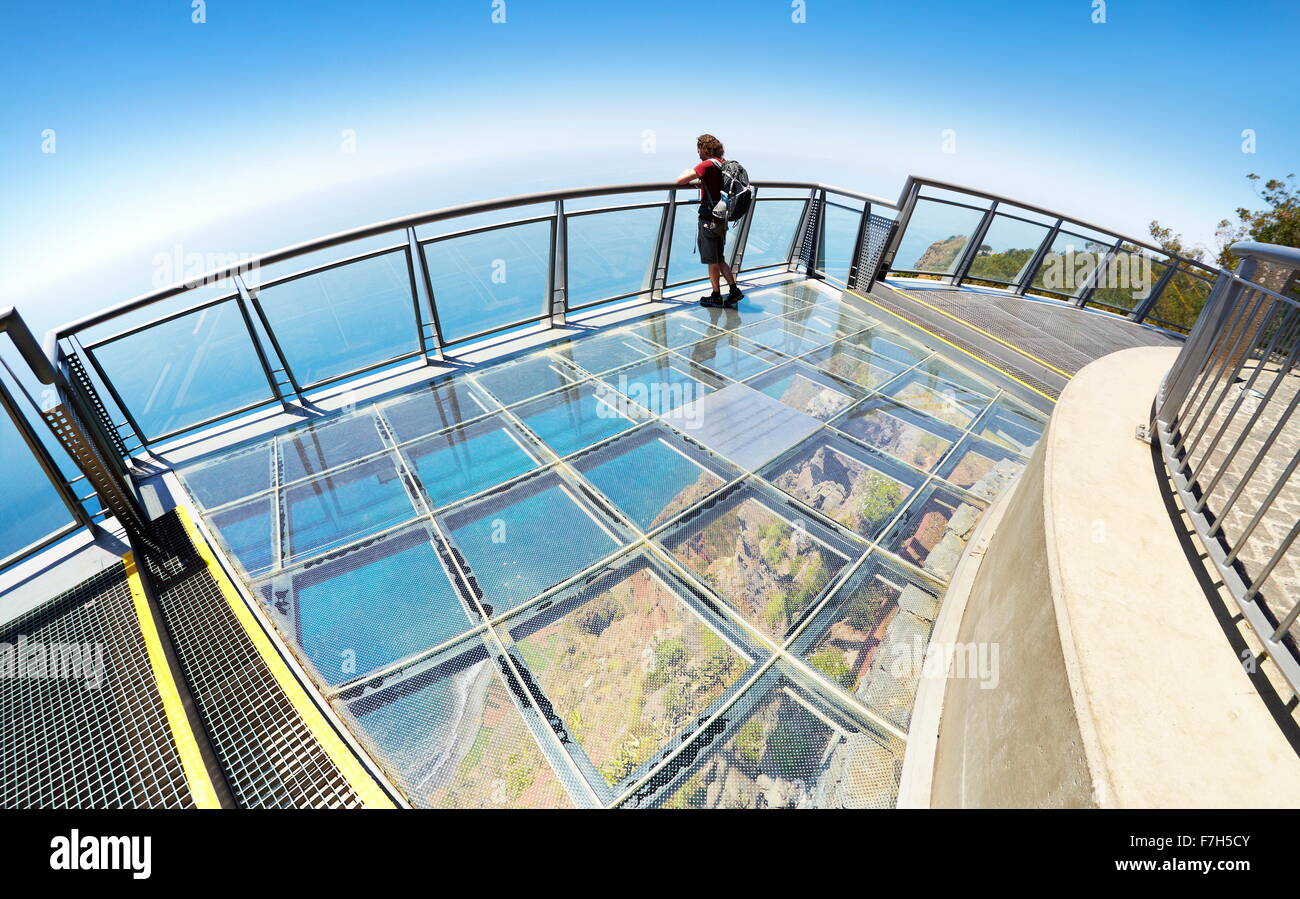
(709, 145)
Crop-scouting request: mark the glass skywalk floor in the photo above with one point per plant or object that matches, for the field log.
(540, 584)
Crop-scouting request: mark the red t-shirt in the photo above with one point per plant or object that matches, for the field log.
(711, 181)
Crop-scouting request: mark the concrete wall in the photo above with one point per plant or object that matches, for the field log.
(1117, 685)
(1017, 744)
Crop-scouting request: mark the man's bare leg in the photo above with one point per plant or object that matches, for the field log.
(713, 275)
(726, 271)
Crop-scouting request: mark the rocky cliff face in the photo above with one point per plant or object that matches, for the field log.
(844, 489)
(941, 255)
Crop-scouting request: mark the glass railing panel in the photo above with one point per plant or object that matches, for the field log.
(1125, 281)
(345, 319)
(684, 264)
(31, 509)
(840, 234)
(179, 373)
(611, 254)
(1180, 302)
(1006, 251)
(772, 231)
(1069, 263)
(491, 279)
(935, 237)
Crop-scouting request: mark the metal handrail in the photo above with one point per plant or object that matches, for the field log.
(223, 273)
(1116, 241)
(63, 352)
(1216, 428)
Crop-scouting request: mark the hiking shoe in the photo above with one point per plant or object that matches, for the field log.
(713, 299)
(734, 297)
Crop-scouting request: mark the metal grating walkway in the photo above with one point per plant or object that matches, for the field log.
(274, 746)
(98, 737)
(1040, 343)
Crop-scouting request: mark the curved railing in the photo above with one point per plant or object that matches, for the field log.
(260, 332)
(959, 235)
(1228, 430)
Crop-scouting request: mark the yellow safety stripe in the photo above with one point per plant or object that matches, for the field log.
(370, 793)
(957, 318)
(979, 359)
(196, 772)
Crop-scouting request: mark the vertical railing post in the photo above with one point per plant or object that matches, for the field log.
(742, 238)
(248, 296)
(976, 240)
(421, 263)
(1036, 262)
(663, 249)
(856, 259)
(559, 267)
(1144, 308)
(907, 204)
(1090, 287)
(797, 241)
(43, 458)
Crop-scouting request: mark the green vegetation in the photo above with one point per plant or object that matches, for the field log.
(1003, 268)
(749, 741)
(830, 662)
(881, 497)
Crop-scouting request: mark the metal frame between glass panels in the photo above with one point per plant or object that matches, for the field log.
(770, 656)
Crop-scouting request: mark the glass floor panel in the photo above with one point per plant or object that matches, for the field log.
(468, 459)
(435, 407)
(881, 423)
(1012, 425)
(778, 301)
(981, 468)
(934, 529)
(723, 317)
(511, 543)
(942, 369)
(864, 369)
(627, 664)
(835, 324)
(870, 638)
(231, 477)
(452, 737)
(373, 606)
(598, 353)
(343, 506)
(513, 382)
(761, 555)
(944, 400)
(577, 417)
(247, 533)
(664, 383)
(672, 331)
(610, 670)
(653, 474)
(881, 341)
(731, 355)
(791, 747)
(784, 336)
(807, 389)
(318, 448)
(844, 481)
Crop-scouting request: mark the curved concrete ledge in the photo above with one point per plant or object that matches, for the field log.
(1116, 685)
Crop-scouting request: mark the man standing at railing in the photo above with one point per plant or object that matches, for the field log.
(713, 230)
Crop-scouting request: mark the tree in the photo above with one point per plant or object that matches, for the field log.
(1279, 223)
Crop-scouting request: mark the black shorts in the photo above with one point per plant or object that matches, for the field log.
(713, 236)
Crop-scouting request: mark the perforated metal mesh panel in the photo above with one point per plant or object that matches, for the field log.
(269, 755)
(68, 744)
(874, 238)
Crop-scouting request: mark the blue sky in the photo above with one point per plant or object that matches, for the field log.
(226, 137)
